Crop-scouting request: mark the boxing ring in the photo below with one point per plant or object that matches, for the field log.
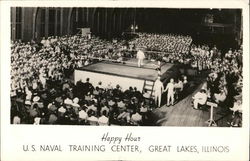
(125, 74)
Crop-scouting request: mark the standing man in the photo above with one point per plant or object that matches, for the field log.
(170, 89)
(140, 56)
(43, 41)
(158, 88)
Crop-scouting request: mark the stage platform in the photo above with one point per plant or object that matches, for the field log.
(129, 69)
(125, 74)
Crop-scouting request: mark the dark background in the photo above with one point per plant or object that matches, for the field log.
(211, 26)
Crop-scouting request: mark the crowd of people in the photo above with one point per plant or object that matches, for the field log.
(62, 102)
(56, 57)
(205, 57)
(39, 69)
(163, 42)
(164, 47)
(224, 82)
(40, 75)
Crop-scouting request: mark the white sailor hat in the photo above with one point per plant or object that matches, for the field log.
(36, 99)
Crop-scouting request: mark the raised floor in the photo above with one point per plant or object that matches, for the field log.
(129, 69)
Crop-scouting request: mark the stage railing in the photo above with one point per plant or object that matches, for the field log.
(103, 59)
(124, 59)
(152, 66)
(161, 52)
(108, 59)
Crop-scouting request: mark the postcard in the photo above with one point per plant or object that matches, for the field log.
(125, 80)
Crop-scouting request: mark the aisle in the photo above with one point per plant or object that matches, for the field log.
(182, 114)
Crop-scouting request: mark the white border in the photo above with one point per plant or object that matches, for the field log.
(12, 137)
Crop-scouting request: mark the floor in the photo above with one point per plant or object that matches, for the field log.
(182, 113)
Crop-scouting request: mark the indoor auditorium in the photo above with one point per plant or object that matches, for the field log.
(126, 66)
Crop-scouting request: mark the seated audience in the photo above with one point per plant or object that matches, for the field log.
(41, 78)
(200, 98)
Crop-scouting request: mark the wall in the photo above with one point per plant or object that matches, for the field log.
(26, 25)
(106, 79)
(104, 22)
(111, 22)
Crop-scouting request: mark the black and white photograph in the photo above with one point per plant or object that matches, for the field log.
(124, 80)
(126, 66)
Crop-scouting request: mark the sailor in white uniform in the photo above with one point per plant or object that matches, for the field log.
(170, 89)
(158, 88)
(140, 56)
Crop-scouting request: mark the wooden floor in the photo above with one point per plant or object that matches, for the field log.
(182, 113)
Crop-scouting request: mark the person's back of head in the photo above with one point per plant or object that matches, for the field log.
(138, 111)
(90, 113)
(203, 91)
(104, 113)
